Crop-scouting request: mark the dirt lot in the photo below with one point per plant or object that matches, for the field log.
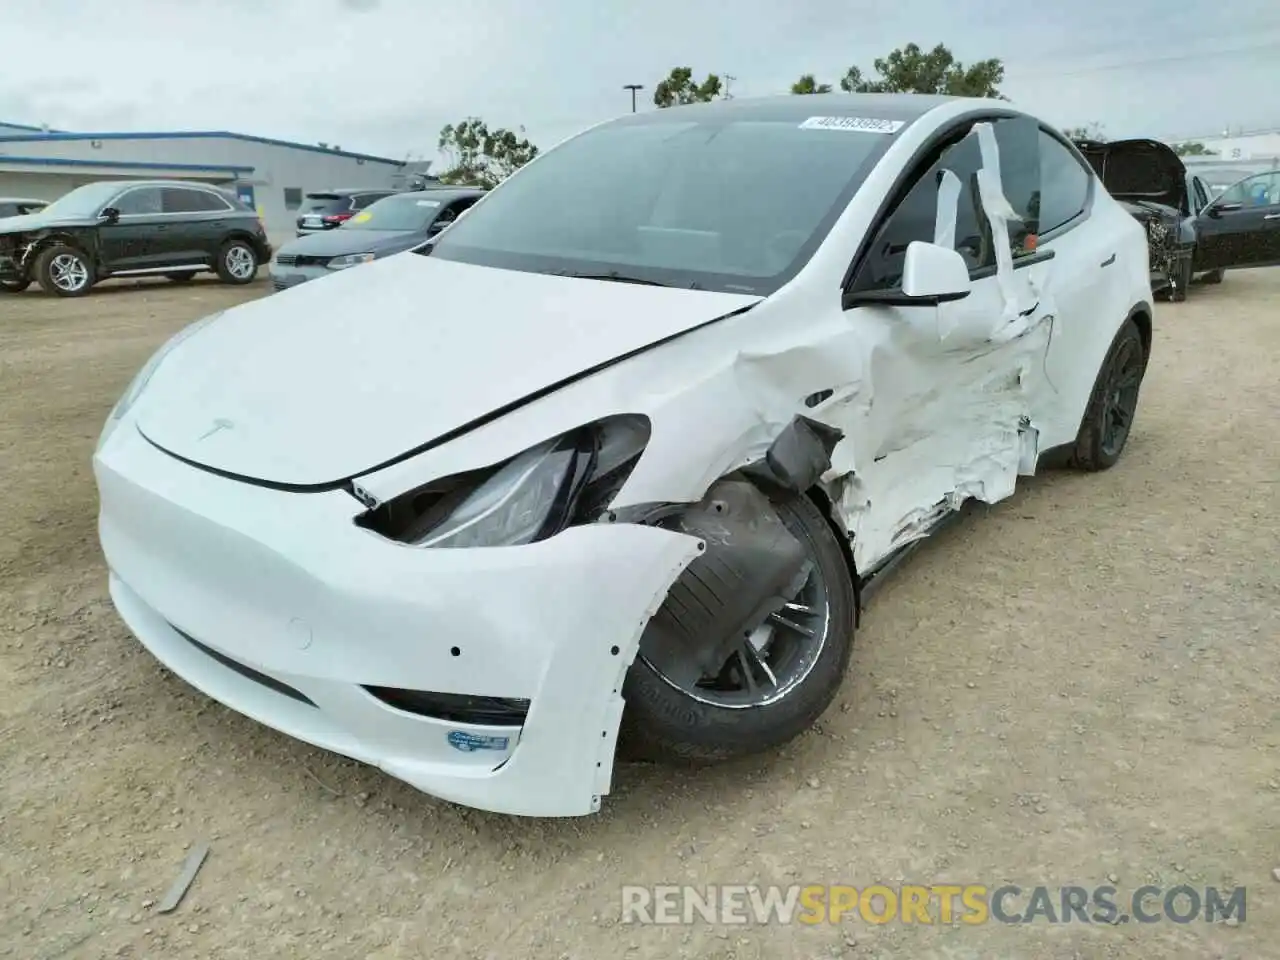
(1078, 686)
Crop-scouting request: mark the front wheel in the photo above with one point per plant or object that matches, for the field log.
(775, 683)
(237, 263)
(1113, 403)
(64, 271)
(14, 286)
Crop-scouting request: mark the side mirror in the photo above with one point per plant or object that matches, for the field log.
(930, 275)
(1218, 209)
(109, 215)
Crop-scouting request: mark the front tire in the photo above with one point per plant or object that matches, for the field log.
(237, 263)
(665, 722)
(64, 271)
(1108, 419)
(14, 286)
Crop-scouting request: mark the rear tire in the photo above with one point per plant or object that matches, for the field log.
(1181, 281)
(237, 262)
(1108, 419)
(665, 723)
(64, 271)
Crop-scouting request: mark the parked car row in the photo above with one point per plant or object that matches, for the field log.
(178, 229)
(1193, 231)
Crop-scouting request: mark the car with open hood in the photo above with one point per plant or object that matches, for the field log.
(1193, 231)
(611, 466)
(393, 224)
(132, 228)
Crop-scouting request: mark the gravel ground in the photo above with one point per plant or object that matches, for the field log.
(1074, 687)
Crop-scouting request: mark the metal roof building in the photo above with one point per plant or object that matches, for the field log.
(271, 175)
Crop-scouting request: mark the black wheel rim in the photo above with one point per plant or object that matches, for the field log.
(1122, 397)
(777, 656)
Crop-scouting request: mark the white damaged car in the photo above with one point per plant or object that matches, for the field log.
(609, 465)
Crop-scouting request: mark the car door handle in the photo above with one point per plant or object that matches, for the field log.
(1272, 216)
(1109, 261)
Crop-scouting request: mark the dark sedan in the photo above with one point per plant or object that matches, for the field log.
(396, 223)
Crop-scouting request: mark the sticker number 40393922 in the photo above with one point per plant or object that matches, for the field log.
(855, 124)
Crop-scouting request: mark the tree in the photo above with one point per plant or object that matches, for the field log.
(807, 84)
(1193, 148)
(1091, 131)
(679, 87)
(911, 70)
(482, 157)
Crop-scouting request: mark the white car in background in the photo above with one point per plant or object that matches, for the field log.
(620, 454)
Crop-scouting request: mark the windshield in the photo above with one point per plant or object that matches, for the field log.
(406, 212)
(731, 205)
(83, 201)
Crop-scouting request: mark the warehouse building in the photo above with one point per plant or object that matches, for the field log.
(270, 175)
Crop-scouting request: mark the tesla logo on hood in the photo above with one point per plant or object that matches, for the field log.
(218, 425)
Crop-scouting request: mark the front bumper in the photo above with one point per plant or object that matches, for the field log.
(277, 605)
(283, 277)
(10, 269)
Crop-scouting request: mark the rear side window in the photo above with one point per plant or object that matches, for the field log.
(1042, 181)
(185, 200)
(325, 203)
(362, 200)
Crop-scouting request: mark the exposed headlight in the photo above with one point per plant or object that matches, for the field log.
(349, 260)
(532, 496)
(143, 377)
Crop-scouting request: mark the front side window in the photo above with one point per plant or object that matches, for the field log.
(727, 204)
(1261, 190)
(1042, 182)
(140, 202)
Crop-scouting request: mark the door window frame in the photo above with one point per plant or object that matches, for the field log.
(927, 156)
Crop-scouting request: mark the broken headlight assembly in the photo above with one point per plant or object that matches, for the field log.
(569, 479)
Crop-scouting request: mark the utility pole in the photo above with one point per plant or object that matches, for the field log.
(727, 80)
(633, 87)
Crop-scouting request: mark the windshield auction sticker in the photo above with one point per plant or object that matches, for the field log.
(856, 124)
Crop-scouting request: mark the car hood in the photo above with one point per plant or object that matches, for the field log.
(1138, 170)
(335, 243)
(40, 221)
(343, 375)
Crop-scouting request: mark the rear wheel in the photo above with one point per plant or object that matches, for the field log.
(64, 271)
(1113, 403)
(773, 685)
(237, 263)
(1181, 280)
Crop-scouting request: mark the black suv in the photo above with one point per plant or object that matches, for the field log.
(328, 209)
(168, 228)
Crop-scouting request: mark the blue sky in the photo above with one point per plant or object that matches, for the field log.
(383, 76)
